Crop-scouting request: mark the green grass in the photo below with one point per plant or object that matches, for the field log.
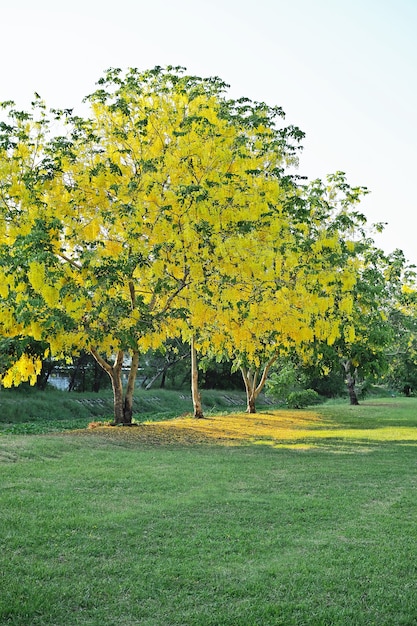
(108, 531)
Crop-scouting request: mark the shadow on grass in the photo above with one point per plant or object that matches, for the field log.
(336, 428)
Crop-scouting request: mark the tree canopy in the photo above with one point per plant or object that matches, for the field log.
(169, 211)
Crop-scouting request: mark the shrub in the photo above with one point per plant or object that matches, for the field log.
(280, 383)
(301, 399)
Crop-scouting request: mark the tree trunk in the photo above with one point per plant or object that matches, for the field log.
(350, 380)
(198, 408)
(163, 379)
(353, 398)
(249, 378)
(128, 402)
(253, 388)
(117, 386)
(47, 368)
(251, 408)
(122, 413)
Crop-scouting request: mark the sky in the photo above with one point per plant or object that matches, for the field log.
(344, 71)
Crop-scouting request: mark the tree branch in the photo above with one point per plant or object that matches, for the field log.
(132, 294)
(70, 261)
(265, 374)
(102, 362)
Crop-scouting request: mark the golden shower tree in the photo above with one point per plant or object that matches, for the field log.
(116, 226)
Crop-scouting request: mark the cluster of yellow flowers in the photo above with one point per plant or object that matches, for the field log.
(25, 369)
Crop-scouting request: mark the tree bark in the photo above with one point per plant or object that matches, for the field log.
(128, 401)
(117, 386)
(47, 368)
(163, 379)
(251, 408)
(249, 378)
(198, 408)
(353, 398)
(115, 373)
(253, 388)
(350, 380)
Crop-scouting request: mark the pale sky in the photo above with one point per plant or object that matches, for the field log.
(344, 71)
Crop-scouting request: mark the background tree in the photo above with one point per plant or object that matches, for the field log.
(302, 286)
(158, 364)
(361, 351)
(402, 352)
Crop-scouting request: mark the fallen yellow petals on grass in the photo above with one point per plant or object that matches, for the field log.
(298, 430)
(244, 427)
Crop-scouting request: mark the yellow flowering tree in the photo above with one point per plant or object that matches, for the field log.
(112, 226)
(294, 281)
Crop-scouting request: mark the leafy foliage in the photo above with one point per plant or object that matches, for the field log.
(283, 379)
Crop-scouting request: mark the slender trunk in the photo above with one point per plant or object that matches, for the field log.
(71, 382)
(47, 368)
(198, 409)
(115, 373)
(163, 379)
(353, 398)
(83, 379)
(350, 380)
(155, 378)
(251, 408)
(127, 408)
(249, 378)
(123, 407)
(253, 388)
(117, 386)
(128, 402)
(163, 372)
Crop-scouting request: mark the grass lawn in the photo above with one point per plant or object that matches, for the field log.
(284, 518)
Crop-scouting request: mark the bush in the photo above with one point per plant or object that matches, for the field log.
(301, 399)
(280, 383)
